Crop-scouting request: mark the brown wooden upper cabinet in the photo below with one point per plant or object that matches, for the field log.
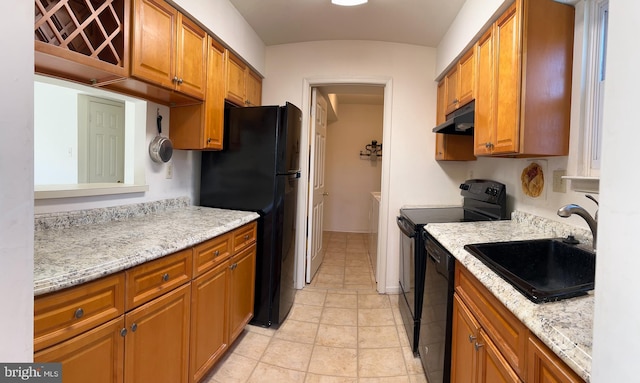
(92, 47)
(450, 147)
(169, 49)
(201, 126)
(523, 81)
(243, 86)
(459, 82)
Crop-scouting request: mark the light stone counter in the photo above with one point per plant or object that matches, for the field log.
(83, 246)
(564, 326)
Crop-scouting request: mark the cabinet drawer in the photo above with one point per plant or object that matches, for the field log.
(152, 279)
(61, 315)
(208, 254)
(244, 236)
(506, 331)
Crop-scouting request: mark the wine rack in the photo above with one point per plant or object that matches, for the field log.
(96, 29)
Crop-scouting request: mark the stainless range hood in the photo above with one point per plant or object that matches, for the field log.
(458, 122)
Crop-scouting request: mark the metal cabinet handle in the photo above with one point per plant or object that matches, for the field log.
(216, 253)
(471, 338)
(175, 79)
(246, 237)
(209, 140)
(79, 313)
(478, 345)
(165, 277)
(123, 332)
(180, 81)
(134, 327)
(233, 267)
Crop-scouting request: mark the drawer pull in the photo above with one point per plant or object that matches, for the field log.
(165, 277)
(233, 267)
(134, 327)
(471, 338)
(123, 332)
(79, 313)
(216, 253)
(246, 237)
(477, 346)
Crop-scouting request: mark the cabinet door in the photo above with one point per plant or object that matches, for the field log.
(96, 355)
(241, 292)
(464, 333)
(201, 126)
(209, 319)
(214, 103)
(543, 366)
(153, 55)
(492, 367)
(157, 342)
(191, 58)
(451, 90)
(466, 77)
(483, 124)
(440, 118)
(235, 79)
(254, 88)
(507, 81)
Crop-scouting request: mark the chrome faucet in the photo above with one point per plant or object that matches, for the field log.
(568, 210)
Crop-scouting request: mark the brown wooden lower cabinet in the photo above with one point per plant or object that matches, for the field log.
(545, 366)
(172, 329)
(157, 342)
(209, 319)
(241, 291)
(96, 355)
(490, 345)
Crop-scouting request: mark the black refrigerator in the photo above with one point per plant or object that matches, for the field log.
(259, 170)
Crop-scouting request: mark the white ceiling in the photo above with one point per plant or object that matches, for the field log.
(418, 22)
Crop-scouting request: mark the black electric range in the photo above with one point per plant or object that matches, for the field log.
(484, 200)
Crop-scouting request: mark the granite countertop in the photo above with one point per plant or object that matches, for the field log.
(566, 327)
(66, 255)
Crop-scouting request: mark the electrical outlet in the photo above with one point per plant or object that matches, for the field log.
(559, 184)
(169, 171)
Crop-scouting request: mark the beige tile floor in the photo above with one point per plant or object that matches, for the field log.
(340, 330)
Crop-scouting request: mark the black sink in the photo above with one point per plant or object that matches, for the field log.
(544, 270)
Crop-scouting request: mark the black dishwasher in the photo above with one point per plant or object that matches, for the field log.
(434, 343)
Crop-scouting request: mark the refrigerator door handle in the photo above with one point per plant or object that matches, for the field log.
(292, 173)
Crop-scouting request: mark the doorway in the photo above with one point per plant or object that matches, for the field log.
(344, 174)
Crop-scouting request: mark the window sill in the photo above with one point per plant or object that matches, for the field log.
(584, 184)
(85, 190)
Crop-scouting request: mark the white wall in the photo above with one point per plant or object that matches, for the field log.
(412, 171)
(349, 179)
(617, 312)
(185, 181)
(473, 17)
(55, 134)
(16, 183)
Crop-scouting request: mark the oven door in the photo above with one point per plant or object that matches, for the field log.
(407, 265)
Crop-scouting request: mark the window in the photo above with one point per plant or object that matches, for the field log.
(596, 23)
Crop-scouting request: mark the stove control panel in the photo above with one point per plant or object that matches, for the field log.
(483, 190)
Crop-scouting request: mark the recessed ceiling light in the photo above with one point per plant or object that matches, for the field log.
(348, 3)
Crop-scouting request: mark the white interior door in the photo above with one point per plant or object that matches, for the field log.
(315, 218)
(105, 137)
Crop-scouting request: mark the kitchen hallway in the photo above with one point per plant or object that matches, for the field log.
(340, 330)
